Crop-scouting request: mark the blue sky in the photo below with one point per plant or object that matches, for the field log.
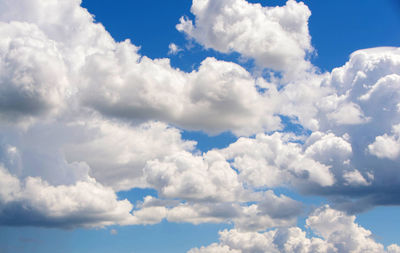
(82, 153)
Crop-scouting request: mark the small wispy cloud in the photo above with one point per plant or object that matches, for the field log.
(174, 49)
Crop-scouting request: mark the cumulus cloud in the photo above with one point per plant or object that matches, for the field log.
(84, 117)
(142, 89)
(61, 67)
(90, 68)
(356, 108)
(387, 146)
(117, 152)
(34, 202)
(193, 177)
(274, 160)
(275, 37)
(33, 77)
(261, 214)
(338, 232)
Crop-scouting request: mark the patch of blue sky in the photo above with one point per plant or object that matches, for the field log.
(291, 125)
(137, 194)
(164, 237)
(384, 222)
(206, 142)
(340, 27)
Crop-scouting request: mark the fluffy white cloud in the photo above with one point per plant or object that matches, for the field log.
(254, 217)
(347, 97)
(139, 88)
(62, 21)
(262, 213)
(210, 191)
(283, 240)
(338, 231)
(55, 57)
(117, 152)
(275, 37)
(357, 104)
(35, 202)
(341, 230)
(88, 67)
(194, 177)
(273, 160)
(101, 105)
(387, 146)
(114, 153)
(368, 79)
(33, 75)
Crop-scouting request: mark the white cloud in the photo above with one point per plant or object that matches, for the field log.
(194, 177)
(93, 112)
(90, 68)
(272, 160)
(338, 231)
(254, 217)
(349, 94)
(275, 37)
(387, 146)
(33, 76)
(222, 92)
(173, 49)
(358, 103)
(341, 230)
(117, 152)
(35, 202)
(393, 248)
(355, 178)
(261, 214)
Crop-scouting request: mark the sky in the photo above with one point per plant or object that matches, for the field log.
(201, 126)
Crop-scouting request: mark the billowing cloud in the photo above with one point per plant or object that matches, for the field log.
(275, 37)
(83, 117)
(87, 67)
(356, 108)
(387, 146)
(142, 89)
(264, 212)
(274, 160)
(34, 202)
(117, 152)
(338, 232)
(34, 79)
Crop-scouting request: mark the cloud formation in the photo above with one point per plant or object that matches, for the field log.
(338, 232)
(275, 37)
(84, 117)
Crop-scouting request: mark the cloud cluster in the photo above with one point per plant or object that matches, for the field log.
(273, 161)
(264, 212)
(336, 231)
(83, 117)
